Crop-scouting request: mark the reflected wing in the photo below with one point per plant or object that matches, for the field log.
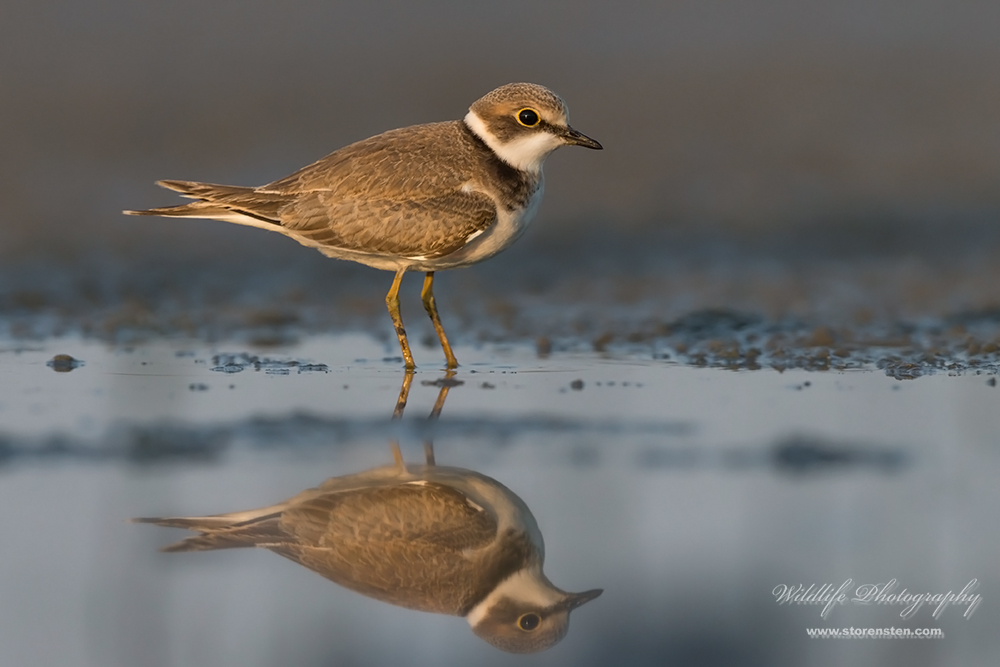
(398, 544)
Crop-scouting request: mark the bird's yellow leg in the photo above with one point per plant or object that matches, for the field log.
(427, 295)
(392, 303)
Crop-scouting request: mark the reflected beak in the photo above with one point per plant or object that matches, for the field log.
(574, 600)
(574, 138)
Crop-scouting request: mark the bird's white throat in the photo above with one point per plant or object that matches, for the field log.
(528, 586)
(526, 153)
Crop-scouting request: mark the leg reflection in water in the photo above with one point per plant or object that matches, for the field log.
(426, 537)
(446, 383)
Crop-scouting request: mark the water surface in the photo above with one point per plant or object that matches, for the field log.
(687, 493)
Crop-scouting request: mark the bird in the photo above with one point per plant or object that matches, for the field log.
(421, 198)
(426, 537)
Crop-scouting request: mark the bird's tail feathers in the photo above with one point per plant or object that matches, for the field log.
(205, 191)
(230, 203)
(221, 531)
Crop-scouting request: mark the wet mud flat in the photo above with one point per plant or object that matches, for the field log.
(905, 297)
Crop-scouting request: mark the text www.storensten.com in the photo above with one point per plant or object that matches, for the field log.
(875, 633)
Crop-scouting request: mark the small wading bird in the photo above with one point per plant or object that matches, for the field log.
(421, 198)
(438, 539)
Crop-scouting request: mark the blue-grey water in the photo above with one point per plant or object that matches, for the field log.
(688, 494)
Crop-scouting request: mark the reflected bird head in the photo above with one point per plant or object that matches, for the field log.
(526, 613)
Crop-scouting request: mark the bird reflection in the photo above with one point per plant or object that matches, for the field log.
(426, 537)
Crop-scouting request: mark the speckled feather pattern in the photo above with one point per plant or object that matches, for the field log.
(418, 191)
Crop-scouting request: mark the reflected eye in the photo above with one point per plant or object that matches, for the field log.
(529, 622)
(528, 118)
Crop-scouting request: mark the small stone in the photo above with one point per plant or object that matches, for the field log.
(63, 363)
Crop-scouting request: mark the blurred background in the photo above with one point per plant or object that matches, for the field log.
(747, 143)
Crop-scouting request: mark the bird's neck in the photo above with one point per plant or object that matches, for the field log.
(528, 585)
(525, 153)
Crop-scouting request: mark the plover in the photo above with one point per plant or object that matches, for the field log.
(421, 198)
(438, 539)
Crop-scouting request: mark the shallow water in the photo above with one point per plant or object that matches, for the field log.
(687, 493)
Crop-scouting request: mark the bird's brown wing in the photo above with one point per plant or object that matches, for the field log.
(425, 227)
(432, 159)
(410, 544)
(401, 193)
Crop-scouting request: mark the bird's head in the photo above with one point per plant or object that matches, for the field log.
(523, 123)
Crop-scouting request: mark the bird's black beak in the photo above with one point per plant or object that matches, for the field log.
(574, 600)
(574, 138)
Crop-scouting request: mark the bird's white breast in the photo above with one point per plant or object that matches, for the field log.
(483, 245)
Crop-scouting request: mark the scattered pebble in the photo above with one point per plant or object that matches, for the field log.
(63, 363)
(313, 368)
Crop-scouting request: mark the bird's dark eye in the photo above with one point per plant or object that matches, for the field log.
(528, 117)
(529, 622)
